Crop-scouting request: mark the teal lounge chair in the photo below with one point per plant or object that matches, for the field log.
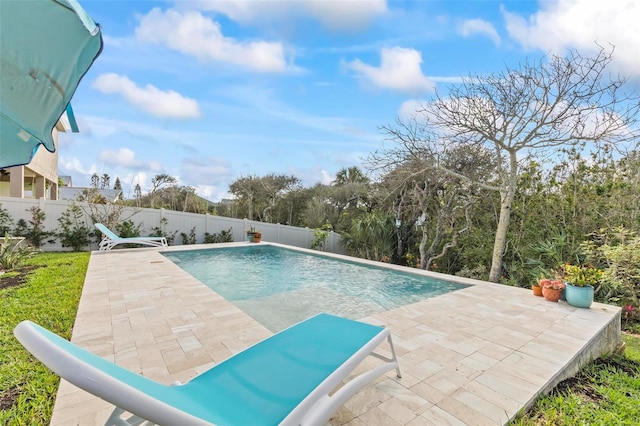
(110, 240)
(286, 379)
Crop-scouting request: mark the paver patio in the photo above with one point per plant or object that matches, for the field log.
(475, 356)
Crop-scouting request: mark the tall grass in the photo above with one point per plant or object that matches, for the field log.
(50, 298)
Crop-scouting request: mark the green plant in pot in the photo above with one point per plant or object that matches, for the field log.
(552, 289)
(250, 233)
(254, 235)
(581, 281)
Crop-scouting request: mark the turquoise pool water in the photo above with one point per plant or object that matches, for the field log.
(279, 287)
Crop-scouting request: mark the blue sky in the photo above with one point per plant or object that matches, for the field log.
(209, 91)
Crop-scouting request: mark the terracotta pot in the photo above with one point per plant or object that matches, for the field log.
(551, 294)
(537, 290)
(257, 237)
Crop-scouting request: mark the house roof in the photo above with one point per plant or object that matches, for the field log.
(72, 193)
(66, 180)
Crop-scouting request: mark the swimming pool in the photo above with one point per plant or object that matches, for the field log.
(279, 287)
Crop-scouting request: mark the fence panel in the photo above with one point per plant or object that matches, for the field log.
(169, 221)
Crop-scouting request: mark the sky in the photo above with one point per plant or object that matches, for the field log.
(210, 91)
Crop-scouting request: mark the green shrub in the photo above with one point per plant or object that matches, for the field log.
(12, 254)
(219, 237)
(73, 228)
(618, 253)
(33, 230)
(321, 236)
(128, 229)
(160, 231)
(6, 222)
(189, 239)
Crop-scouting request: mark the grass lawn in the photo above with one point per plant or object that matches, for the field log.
(47, 291)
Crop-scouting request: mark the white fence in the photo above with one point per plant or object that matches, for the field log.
(179, 222)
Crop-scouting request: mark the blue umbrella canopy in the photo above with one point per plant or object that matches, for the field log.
(46, 46)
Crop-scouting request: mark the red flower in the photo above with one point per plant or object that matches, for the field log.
(554, 284)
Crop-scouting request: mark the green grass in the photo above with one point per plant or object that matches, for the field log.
(50, 298)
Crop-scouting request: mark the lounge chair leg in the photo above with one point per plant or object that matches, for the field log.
(394, 357)
(115, 419)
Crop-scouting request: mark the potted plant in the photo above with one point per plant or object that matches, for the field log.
(250, 234)
(581, 281)
(552, 289)
(537, 286)
(253, 235)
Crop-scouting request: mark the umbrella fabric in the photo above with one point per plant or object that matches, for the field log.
(46, 46)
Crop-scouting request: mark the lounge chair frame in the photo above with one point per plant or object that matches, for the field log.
(110, 239)
(145, 402)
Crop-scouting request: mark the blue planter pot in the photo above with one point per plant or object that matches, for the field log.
(580, 297)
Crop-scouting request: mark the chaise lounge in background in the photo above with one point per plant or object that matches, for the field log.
(110, 240)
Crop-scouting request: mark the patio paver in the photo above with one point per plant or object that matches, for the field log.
(474, 356)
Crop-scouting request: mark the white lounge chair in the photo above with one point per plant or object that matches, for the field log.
(286, 379)
(110, 240)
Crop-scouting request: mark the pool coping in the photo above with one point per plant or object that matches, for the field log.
(477, 355)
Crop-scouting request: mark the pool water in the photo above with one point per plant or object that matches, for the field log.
(279, 287)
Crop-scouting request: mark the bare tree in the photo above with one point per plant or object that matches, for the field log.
(95, 181)
(138, 194)
(157, 182)
(437, 201)
(538, 107)
(246, 190)
(105, 181)
(275, 187)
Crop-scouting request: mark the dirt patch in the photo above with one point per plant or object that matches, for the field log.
(583, 385)
(17, 276)
(8, 398)
(580, 385)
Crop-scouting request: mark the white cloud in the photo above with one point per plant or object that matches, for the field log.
(193, 34)
(71, 165)
(480, 27)
(399, 70)
(166, 104)
(580, 24)
(326, 178)
(203, 171)
(139, 178)
(212, 193)
(409, 109)
(338, 15)
(126, 158)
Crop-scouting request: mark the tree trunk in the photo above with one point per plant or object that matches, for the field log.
(506, 199)
(400, 246)
(423, 254)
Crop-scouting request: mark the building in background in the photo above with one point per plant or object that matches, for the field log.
(39, 178)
